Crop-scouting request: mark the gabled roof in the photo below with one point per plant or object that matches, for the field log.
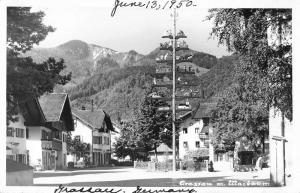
(204, 110)
(162, 148)
(52, 105)
(56, 108)
(32, 112)
(13, 166)
(94, 119)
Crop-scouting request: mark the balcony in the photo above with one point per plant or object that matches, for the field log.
(52, 144)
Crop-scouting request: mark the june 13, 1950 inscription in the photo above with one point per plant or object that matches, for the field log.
(155, 4)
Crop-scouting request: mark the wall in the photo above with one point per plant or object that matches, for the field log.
(281, 151)
(84, 131)
(114, 137)
(191, 137)
(161, 157)
(20, 143)
(34, 144)
(19, 178)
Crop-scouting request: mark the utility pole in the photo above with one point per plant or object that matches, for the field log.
(173, 95)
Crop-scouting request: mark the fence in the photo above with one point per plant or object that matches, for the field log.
(168, 165)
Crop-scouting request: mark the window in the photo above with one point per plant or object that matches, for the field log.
(56, 135)
(100, 139)
(21, 158)
(184, 130)
(27, 133)
(197, 144)
(45, 135)
(10, 132)
(19, 132)
(95, 140)
(65, 137)
(197, 130)
(185, 144)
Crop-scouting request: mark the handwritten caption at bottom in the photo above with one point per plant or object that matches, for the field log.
(64, 189)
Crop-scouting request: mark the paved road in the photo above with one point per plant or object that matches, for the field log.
(128, 176)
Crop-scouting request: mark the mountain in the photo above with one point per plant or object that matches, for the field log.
(82, 59)
(116, 81)
(219, 77)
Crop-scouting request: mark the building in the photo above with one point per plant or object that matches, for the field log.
(16, 140)
(194, 132)
(164, 153)
(30, 114)
(94, 128)
(46, 143)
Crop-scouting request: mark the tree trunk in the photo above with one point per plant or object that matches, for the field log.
(155, 150)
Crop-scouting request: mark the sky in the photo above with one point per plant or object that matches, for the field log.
(130, 29)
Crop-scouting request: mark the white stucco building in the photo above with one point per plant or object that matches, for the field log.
(46, 143)
(194, 132)
(94, 128)
(16, 140)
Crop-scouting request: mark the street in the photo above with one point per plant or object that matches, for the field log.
(130, 177)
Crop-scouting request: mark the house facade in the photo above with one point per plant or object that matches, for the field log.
(16, 140)
(46, 143)
(29, 114)
(193, 135)
(94, 128)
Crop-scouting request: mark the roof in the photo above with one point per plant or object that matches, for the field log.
(31, 110)
(13, 166)
(52, 105)
(163, 148)
(205, 129)
(204, 110)
(94, 118)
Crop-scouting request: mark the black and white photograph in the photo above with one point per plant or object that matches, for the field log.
(165, 95)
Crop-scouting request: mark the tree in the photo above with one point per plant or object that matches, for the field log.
(129, 143)
(147, 129)
(263, 75)
(262, 38)
(80, 149)
(25, 78)
(155, 126)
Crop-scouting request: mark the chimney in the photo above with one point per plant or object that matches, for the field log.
(92, 105)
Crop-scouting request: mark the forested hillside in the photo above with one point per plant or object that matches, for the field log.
(116, 81)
